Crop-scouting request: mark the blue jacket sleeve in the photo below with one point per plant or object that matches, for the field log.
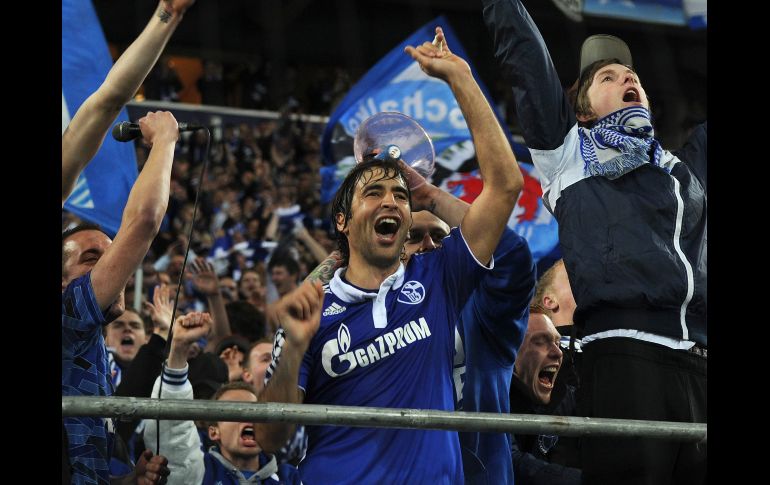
(544, 113)
(501, 303)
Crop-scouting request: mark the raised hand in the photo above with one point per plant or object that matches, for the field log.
(177, 6)
(161, 309)
(437, 60)
(191, 327)
(233, 358)
(205, 278)
(299, 313)
(151, 469)
(160, 126)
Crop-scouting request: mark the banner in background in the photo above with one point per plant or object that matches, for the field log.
(103, 187)
(670, 12)
(396, 83)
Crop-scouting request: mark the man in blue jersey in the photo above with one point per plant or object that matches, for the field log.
(94, 271)
(94, 274)
(488, 335)
(236, 456)
(381, 333)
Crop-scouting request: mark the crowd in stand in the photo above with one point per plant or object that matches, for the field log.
(406, 298)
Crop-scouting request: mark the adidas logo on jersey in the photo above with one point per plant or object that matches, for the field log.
(333, 309)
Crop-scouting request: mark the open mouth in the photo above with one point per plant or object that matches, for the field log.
(127, 341)
(387, 226)
(247, 436)
(631, 96)
(547, 376)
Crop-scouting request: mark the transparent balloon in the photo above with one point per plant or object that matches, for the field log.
(395, 135)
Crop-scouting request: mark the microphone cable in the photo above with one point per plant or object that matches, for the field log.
(167, 349)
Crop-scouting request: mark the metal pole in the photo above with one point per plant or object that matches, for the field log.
(366, 417)
(138, 280)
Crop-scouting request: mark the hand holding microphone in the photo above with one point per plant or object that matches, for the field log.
(127, 131)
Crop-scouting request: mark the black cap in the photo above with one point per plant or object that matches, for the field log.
(241, 342)
(207, 373)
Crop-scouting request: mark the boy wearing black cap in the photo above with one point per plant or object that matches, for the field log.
(632, 228)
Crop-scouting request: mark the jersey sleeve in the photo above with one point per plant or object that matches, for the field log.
(80, 310)
(461, 271)
(500, 306)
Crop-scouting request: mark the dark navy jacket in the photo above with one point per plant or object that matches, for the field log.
(545, 459)
(634, 247)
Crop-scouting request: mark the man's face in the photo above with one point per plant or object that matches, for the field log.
(614, 87)
(251, 283)
(174, 268)
(539, 357)
(236, 440)
(282, 279)
(380, 218)
(126, 334)
(82, 250)
(259, 358)
(426, 233)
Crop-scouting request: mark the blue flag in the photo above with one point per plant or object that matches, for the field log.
(102, 189)
(396, 83)
(671, 12)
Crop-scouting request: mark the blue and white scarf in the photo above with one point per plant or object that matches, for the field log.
(618, 143)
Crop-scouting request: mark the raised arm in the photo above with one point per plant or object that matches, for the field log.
(544, 113)
(143, 213)
(426, 196)
(86, 131)
(179, 439)
(316, 250)
(206, 281)
(484, 222)
(299, 314)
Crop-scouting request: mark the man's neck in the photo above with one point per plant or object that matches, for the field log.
(364, 275)
(560, 320)
(250, 463)
(286, 290)
(259, 303)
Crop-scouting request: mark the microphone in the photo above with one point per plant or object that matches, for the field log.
(127, 131)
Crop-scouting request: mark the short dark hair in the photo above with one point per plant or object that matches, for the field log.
(233, 386)
(85, 226)
(245, 320)
(286, 261)
(344, 196)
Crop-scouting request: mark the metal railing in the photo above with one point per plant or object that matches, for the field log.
(370, 417)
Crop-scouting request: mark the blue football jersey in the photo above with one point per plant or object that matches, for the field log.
(392, 347)
(85, 372)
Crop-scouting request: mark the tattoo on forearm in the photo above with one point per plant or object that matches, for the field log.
(324, 271)
(164, 15)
